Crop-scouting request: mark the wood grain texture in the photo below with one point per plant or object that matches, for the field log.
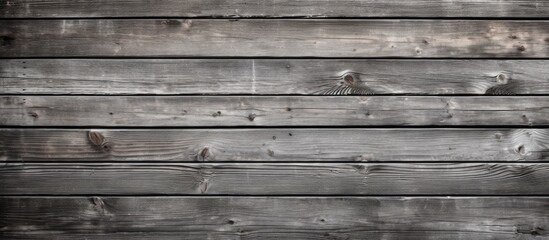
(275, 38)
(273, 76)
(327, 144)
(265, 8)
(191, 111)
(274, 179)
(416, 218)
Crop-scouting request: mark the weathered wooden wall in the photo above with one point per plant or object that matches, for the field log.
(303, 119)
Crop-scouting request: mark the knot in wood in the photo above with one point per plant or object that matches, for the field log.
(98, 140)
(251, 117)
(203, 155)
(98, 204)
(499, 136)
(502, 78)
(349, 79)
(521, 150)
(203, 180)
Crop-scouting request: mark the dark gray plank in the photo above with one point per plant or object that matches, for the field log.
(149, 111)
(274, 179)
(327, 144)
(416, 218)
(276, 38)
(265, 8)
(273, 76)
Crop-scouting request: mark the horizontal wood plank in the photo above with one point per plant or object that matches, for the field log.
(416, 218)
(264, 8)
(273, 76)
(147, 111)
(274, 179)
(274, 38)
(327, 144)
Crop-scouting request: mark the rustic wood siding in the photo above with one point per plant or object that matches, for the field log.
(274, 76)
(355, 38)
(281, 8)
(305, 119)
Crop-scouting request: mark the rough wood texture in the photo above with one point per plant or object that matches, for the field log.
(327, 144)
(266, 8)
(248, 162)
(272, 111)
(416, 218)
(277, 38)
(274, 179)
(273, 76)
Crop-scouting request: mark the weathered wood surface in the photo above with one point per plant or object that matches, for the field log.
(276, 38)
(149, 111)
(265, 8)
(274, 179)
(275, 217)
(326, 144)
(273, 76)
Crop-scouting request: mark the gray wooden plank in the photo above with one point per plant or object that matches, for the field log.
(186, 111)
(280, 144)
(265, 8)
(275, 38)
(274, 179)
(415, 218)
(273, 76)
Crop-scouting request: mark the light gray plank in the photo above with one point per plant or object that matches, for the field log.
(273, 76)
(281, 8)
(147, 111)
(327, 144)
(275, 38)
(416, 218)
(274, 179)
